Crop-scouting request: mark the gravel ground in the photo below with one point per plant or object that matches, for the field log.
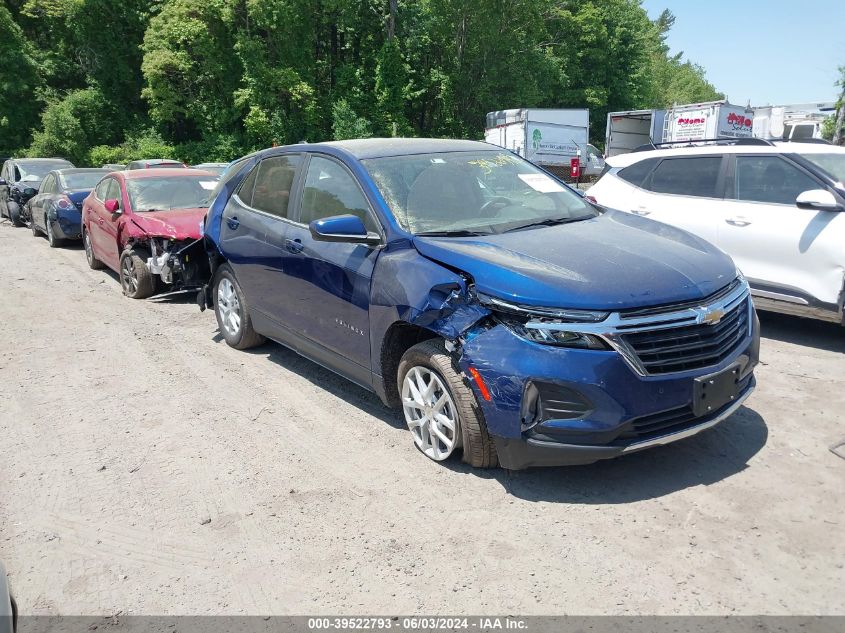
(148, 468)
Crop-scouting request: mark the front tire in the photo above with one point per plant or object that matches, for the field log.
(440, 408)
(93, 262)
(15, 214)
(230, 308)
(135, 277)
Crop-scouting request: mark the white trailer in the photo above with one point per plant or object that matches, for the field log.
(691, 122)
(714, 119)
(626, 131)
(546, 137)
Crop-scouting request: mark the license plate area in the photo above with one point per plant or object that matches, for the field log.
(714, 391)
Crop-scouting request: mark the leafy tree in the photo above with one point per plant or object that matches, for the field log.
(72, 125)
(189, 69)
(19, 86)
(346, 124)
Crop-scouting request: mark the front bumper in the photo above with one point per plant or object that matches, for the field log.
(609, 408)
(517, 454)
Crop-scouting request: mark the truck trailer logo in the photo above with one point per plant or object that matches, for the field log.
(739, 123)
(536, 137)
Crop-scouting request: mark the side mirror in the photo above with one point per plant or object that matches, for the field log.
(818, 200)
(29, 192)
(113, 206)
(342, 228)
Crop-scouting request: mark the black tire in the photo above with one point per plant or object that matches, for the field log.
(15, 214)
(244, 336)
(479, 450)
(93, 262)
(52, 240)
(135, 278)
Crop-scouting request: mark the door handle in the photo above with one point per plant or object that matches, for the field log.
(640, 212)
(294, 246)
(738, 221)
(233, 223)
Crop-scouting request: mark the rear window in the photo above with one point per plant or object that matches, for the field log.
(694, 176)
(636, 173)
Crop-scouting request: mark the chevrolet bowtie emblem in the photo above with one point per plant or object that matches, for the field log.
(710, 317)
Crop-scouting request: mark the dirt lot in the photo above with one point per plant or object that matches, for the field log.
(146, 467)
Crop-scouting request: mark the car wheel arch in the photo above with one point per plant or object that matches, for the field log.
(399, 337)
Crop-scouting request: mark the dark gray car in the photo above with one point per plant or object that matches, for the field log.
(20, 179)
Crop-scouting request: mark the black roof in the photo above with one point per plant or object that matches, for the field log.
(380, 147)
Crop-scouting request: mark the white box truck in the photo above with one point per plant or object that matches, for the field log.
(627, 130)
(798, 121)
(691, 122)
(547, 137)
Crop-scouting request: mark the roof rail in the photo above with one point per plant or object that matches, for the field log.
(750, 140)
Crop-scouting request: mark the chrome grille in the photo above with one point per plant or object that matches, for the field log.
(694, 346)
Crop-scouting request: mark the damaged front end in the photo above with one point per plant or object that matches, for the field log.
(180, 264)
(562, 387)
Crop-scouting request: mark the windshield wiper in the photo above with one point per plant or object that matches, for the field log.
(454, 233)
(548, 222)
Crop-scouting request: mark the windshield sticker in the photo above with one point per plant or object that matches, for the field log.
(208, 184)
(437, 161)
(540, 182)
(487, 165)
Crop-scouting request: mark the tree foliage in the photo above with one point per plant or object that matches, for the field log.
(213, 79)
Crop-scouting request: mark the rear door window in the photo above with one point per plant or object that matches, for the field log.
(770, 179)
(273, 182)
(694, 176)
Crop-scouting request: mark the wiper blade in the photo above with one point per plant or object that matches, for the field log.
(547, 222)
(455, 233)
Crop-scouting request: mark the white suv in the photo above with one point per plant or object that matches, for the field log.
(777, 208)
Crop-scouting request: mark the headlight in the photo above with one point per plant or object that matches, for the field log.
(560, 314)
(539, 332)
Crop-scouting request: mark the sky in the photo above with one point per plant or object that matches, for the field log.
(770, 52)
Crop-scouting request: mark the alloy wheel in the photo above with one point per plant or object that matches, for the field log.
(229, 307)
(430, 413)
(129, 275)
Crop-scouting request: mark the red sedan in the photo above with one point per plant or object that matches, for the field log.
(141, 223)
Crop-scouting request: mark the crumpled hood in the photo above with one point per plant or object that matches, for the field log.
(611, 262)
(178, 224)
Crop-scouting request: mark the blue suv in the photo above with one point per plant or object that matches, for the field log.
(510, 319)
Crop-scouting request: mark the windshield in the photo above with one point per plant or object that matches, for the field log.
(833, 164)
(472, 193)
(35, 172)
(169, 192)
(82, 179)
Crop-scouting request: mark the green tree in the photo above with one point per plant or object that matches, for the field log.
(71, 126)
(346, 124)
(19, 86)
